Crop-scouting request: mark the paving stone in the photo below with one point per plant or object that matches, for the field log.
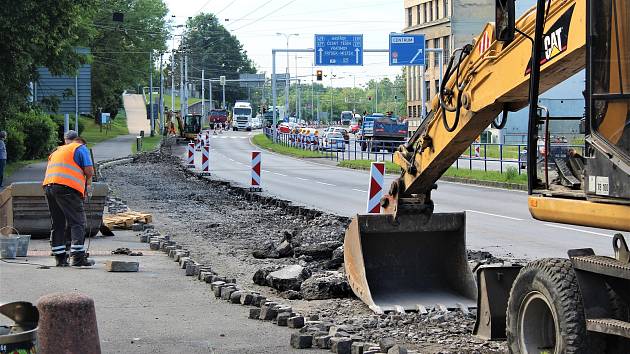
(246, 298)
(208, 278)
(268, 313)
(183, 261)
(282, 318)
(235, 297)
(144, 238)
(216, 284)
(171, 253)
(322, 342)
(341, 345)
(190, 268)
(386, 343)
(357, 348)
(121, 266)
(258, 300)
(226, 291)
(301, 341)
(254, 313)
(295, 322)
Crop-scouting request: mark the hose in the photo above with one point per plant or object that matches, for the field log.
(465, 51)
(504, 117)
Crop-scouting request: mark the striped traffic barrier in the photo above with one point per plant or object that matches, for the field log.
(256, 160)
(190, 159)
(205, 160)
(375, 191)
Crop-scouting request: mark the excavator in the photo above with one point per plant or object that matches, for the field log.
(409, 258)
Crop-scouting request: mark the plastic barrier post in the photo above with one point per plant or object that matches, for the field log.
(205, 160)
(375, 191)
(190, 159)
(256, 160)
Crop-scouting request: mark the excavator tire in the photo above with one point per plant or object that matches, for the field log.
(545, 313)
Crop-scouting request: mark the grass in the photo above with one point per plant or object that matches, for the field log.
(167, 101)
(510, 176)
(11, 167)
(261, 140)
(148, 143)
(493, 151)
(94, 134)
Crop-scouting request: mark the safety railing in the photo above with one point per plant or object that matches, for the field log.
(479, 156)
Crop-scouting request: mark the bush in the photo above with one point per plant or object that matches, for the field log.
(15, 140)
(40, 134)
(511, 173)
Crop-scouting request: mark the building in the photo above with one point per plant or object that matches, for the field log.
(446, 24)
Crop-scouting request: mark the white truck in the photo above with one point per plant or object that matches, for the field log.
(242, 116)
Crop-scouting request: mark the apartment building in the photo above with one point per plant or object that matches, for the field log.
(446, 24)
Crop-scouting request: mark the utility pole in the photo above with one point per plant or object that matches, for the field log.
(181, 86)
(331, 97)
(297, 101)
(162, 120)
(210, 93)
(173, 80)
(186, 84)
(287, 83)
(354, 95)
(76, 104)
(312, 91)
(203, 94)
(376, 98)
(151, 91)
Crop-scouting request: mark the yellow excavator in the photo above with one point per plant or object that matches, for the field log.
(409, 258)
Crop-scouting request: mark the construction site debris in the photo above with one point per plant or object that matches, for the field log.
(121, 266)
(325, 285)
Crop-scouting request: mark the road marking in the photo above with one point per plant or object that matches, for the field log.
(279, 174)
(231, 159)
(490, 214)
(302, 179)
(358, 190)
(574, 229)
(326, 184)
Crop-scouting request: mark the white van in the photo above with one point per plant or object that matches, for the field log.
(242, 116)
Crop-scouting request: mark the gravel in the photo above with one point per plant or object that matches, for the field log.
(223, 229)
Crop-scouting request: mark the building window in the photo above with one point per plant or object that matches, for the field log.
(418, 17)
(436, 56)
(424, 8)
(427, 89)
(409, 17)
(436, 9)
(446, 9)
(426, 53)
(430, 6)
(447, 48)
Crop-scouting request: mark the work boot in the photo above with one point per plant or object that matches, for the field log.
(62, 260)
(80, 259)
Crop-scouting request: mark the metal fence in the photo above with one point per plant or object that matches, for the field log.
(478, 156)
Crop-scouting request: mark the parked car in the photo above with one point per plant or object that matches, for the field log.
(333, 142)
(284, 128)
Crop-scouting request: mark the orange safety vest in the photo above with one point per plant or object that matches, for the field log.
(62, 169)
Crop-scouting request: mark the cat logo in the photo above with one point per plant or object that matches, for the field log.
(554, 44)
(555, 40)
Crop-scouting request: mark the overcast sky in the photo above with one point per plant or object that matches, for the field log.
(256, 22)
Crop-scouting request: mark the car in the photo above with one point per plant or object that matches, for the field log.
(559, 148)
(284, 128)
(256, 122)
(344, 132)
(354, 128)
(333, 142)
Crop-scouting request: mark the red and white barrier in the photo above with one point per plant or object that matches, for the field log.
(477, 152)
(256, 162)
(190, 158)
(205, 160)
(375, 191)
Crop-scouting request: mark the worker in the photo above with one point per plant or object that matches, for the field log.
(67, 183)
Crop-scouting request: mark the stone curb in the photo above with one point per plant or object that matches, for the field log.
(502, 185)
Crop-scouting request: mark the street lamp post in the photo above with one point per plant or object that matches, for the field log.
(286, 86)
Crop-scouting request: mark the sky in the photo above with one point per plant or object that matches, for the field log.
(256, 23)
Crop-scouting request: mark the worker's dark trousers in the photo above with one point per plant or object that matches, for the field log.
(66, 207)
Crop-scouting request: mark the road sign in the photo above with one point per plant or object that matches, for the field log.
(406, 49)
(251, 80)
(222, 80)
(338, 49)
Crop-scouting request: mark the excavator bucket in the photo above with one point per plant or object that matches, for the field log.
(408, 264)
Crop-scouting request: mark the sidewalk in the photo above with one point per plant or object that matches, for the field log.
(157, 310)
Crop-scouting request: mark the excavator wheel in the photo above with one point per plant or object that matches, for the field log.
(545, 312)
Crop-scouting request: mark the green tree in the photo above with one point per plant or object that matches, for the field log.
(212, 48)
(38, 33)
(121, 51)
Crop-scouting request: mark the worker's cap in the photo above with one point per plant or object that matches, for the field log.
(71, 135)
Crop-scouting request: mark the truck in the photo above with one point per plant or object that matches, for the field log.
(346, 117)
(409, 258)
(242, 116)
(217, 116)
(380, 132)
(268, 116)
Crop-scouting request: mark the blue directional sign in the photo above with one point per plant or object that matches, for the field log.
(338, 49)
(406, 49)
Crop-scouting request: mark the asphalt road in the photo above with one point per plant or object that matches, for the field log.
(497, 220)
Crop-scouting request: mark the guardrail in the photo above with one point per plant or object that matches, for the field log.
(479, 156)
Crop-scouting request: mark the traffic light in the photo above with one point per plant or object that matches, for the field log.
(319, 75)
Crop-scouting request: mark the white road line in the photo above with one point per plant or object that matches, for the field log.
(302, 179)
(326, 184)
(279, 174)
(358, 190)
(265, 171)
(574, 229)
(490, 214)
(231, 159)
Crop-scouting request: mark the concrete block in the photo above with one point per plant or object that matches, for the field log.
(397, 349)
(268, 313)
(341, 345)
(281, 319)
(216, 284)
(190, 268)
(301, 341)
(322, 342)
(295, 322)
(258, 300)
(254, 313)
(226, 291)
(121, 266)
(235, 297)
(183, 261)
(137, 227)
(246, 298)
